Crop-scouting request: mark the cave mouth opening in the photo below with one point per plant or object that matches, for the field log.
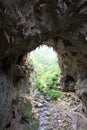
(44, 61)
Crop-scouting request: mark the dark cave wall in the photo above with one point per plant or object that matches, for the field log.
(14, 84)
(8, 92)
(6, 96)
(24, 25)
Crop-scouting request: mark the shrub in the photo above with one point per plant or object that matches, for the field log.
(46, 73)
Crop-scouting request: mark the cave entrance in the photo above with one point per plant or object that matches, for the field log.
(44, 60)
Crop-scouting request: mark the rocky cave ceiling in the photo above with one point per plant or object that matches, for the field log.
(26, 24)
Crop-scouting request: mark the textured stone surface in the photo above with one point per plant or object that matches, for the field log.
(6, 96)
(25, 24)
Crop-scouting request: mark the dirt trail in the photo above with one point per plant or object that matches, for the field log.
(63, 114)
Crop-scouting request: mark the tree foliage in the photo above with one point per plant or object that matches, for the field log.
(46, 68)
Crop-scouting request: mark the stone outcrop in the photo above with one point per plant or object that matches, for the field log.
(24, 25)
(6, 96)
(15, 107)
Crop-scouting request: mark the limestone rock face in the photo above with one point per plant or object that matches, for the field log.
(26, 24)
(6, 96)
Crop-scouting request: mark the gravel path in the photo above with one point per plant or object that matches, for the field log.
(60, 114)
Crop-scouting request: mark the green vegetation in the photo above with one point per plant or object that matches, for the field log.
(47, 70)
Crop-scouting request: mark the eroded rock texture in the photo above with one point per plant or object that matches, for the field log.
(26, 24)
(6, 95)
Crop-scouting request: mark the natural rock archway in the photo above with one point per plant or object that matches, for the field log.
(24, 25)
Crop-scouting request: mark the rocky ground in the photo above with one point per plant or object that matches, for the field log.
(63, 114)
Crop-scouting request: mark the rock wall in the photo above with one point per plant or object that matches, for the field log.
(15, 107)
(6, 96)
(24, 25)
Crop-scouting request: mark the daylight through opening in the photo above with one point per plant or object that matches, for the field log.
(44, 61)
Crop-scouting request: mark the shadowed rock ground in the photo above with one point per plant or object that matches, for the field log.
(63, 114)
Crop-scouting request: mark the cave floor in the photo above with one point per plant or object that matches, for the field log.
(63, 114)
